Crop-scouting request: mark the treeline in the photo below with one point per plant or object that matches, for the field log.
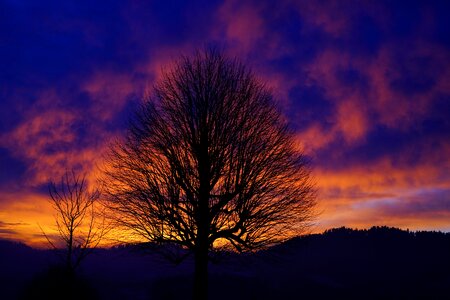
(377, 231)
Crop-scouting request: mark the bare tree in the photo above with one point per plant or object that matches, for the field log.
(208, 161)
(79, 227)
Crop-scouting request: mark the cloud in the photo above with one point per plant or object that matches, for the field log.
(384, 193)
(18, 220)
(365, 86)
(9, 229)
(420, 202)
(50, 143)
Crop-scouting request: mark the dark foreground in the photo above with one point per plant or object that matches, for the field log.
(380, 263)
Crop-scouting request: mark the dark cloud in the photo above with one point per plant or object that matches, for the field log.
(12, 170)
(5, 224)
(9, 229)
(426, 202)
(7, 232)
(354, 193)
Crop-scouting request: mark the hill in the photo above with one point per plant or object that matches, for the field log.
(342, 263)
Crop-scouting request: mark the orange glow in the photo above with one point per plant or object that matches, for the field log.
(25, 216)
(24, 220)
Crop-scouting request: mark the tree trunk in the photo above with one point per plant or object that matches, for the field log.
(201, 274)
(202, 217)
(69, 251)
(201, 259)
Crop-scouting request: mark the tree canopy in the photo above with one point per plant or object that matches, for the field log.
(209, 161)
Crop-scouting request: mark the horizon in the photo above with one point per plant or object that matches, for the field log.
(364, 85)
(45, 245)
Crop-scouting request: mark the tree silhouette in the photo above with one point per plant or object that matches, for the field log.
(79, 227)
(208, 161)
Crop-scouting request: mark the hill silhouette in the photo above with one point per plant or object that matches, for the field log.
(342, 263)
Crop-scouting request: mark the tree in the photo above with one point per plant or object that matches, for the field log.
(79, 227)
(208, 161)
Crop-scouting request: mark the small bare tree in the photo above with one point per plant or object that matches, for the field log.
(80, 228)
(209, 161)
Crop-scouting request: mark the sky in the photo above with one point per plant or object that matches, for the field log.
(364, 84)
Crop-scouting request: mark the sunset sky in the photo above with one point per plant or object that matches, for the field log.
(365, 85)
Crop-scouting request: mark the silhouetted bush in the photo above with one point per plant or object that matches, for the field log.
(59, 283)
